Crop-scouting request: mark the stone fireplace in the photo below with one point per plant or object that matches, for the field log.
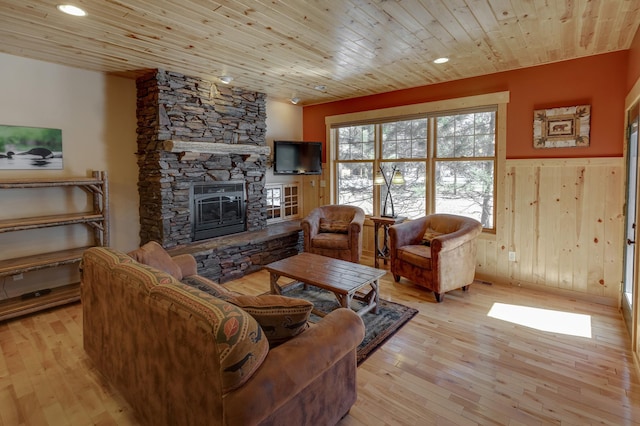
(192, 132)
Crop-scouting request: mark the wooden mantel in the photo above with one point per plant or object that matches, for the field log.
(215, 148)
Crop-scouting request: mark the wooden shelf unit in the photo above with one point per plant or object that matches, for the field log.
(97, 188)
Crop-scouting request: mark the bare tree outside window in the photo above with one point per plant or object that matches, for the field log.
(406, 142)
(355, 185)
(462, 172)
(465, 171)
(356, 152)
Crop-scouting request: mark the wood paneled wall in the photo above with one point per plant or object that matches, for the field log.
(564, 219)
(315, 193)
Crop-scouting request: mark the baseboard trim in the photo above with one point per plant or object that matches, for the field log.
(584, 297)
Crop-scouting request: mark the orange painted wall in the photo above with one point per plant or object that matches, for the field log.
(634, 62)
(600, 81)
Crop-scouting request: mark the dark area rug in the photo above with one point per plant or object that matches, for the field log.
(379, 327)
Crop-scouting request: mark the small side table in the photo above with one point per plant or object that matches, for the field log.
(385, 223)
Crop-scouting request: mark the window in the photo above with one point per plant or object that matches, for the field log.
(404, 148)
(356, 155)
(282, 202)
(465, 165)
(448, 161)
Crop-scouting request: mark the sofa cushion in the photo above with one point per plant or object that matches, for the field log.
(280, 317)
(327, 240)
(418, 255)
(208, 286)
(141, 276)
(429, 235)
(153, 254)
(241, 342)
(337, 226)
(108, 257)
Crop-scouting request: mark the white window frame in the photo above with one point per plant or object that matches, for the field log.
(290, 207)
(453, 106)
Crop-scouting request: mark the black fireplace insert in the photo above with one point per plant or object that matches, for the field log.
(217, 208)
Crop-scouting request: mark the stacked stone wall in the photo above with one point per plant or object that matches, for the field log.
(172, 106)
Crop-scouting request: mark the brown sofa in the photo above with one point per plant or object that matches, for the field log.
(437, 251)
(182, 356)
(334, 231)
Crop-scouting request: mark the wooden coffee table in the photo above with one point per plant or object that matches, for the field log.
(342, 278)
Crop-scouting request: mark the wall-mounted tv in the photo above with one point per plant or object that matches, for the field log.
(297, 158)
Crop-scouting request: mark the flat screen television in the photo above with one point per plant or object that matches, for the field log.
(297, 158)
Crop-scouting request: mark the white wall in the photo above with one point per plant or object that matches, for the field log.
(97, 115)
(284, 122)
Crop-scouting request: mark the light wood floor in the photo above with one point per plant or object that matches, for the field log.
(452, 364)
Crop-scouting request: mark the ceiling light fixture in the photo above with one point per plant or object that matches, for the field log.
(71, 10)
(295, 101)
(320, 87)
(226, 79)
(442, 60)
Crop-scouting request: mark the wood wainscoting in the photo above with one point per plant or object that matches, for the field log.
(564, 219)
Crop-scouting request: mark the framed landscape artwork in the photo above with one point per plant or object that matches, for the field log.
(30, 148)
(561, 127)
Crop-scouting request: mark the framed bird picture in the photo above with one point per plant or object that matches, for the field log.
(30, 148)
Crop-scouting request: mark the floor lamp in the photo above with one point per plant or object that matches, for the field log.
(381, 178)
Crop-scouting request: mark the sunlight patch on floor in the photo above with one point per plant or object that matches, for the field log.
(543, 319)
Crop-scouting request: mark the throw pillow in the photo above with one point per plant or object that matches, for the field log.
(335, 226)
(280, 317)
(153, 254)
(242, 345)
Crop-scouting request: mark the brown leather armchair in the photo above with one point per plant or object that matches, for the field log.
(334, 231)
(436, 251)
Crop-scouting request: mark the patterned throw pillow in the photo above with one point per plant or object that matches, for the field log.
(240, 340)
(335, 226)
(280, 317)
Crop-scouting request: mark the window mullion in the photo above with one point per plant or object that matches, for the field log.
(430, 167)
(376, 167)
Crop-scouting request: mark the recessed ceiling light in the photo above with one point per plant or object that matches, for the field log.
(226, 79)
(71, 10)
(295, 101)
(320, 87)
(441, 60)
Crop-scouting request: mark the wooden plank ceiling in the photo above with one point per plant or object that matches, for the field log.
(287, 48)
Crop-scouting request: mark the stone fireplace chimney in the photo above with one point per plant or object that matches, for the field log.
(190, 130)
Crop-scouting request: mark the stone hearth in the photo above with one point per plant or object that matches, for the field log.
(229, 257)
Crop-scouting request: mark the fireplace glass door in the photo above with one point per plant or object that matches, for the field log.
(218, 208)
